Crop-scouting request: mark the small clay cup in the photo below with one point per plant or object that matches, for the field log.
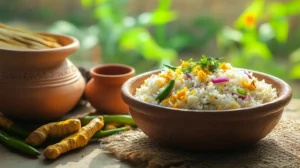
(103, 91)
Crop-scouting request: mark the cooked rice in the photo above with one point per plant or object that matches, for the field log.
(196, 90)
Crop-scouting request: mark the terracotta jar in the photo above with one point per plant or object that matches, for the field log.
(40, 85)
(104, 89)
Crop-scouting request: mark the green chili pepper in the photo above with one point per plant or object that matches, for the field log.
(18, 131)
(11, 127)
(242, 92)
(168, 89)
(120, 119)
(173, 68)
(105, 133)
(17, 144)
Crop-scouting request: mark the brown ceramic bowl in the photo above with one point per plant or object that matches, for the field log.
(206, 129)
(39, 85)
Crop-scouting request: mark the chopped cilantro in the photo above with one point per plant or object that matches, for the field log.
(210, 63)
(187, 69)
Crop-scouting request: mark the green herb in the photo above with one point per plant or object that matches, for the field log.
(211, 64)
(242, 92)
(187, 69)
(173, 68)
(190, 60)
(165, 93)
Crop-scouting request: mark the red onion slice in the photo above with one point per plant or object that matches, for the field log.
(219, 80)
(247, 73)
(188, 76)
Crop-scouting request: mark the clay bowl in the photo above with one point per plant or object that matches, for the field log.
(206, 129)
(40, 85)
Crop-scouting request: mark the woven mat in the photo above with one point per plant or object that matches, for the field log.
(281, 148)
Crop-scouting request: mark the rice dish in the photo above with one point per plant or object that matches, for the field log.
(206, 84)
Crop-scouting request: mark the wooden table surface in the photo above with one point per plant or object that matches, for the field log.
(92, 156)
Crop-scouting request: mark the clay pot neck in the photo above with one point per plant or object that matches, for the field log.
(112, 73)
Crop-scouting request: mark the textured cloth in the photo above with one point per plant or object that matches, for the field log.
(281, 148)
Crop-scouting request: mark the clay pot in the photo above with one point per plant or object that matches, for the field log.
(206, 129)
(103, 91)
(39, 85)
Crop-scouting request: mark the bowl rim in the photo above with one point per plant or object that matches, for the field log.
(129, 73)
(279, 103)
(73, 44)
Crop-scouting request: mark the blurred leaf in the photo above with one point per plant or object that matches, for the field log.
(208, 27)
(129, 22)
(257, 49)
(295, 72)
(87, 3)
(180, 41)
(164, 5)
(255, 9)
(249, 37)
(280, 26)
(89, 42)
(104, 13)
(266, 32)
(88, 37)
(293, 7)
(276, 9)
(258, 64)
(278, 20)
(157, 17)
(232, 34)
(100, 2)
(139, 39)
(64, 27)
(295, 57)
(229, 40)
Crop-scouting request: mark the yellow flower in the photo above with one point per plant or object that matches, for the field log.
(249, 20)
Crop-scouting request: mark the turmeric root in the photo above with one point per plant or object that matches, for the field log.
(54, 130)
(77, 140)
